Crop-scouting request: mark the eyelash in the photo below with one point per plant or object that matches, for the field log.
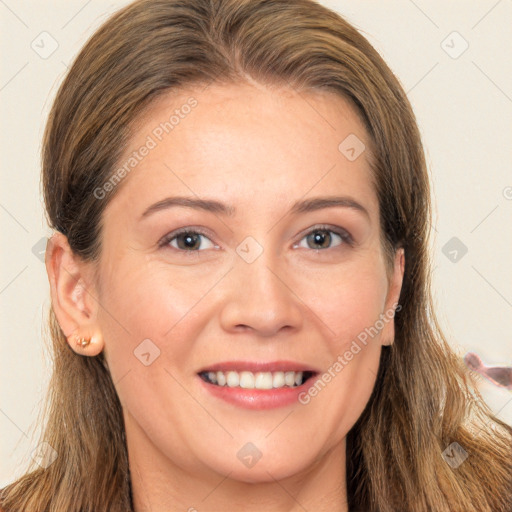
(167, 239)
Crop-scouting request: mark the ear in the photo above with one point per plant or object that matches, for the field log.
(395, 286)
(73, 295)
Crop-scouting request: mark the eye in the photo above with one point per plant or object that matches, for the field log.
(322, 238)
(193, 240)
(188, 240)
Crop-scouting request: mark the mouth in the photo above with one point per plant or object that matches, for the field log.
(257, 380)
(257, 385)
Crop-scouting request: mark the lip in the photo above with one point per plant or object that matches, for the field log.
(259, 366)
(258, 399)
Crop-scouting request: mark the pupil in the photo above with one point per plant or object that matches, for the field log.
(320, 237)
(190, 241)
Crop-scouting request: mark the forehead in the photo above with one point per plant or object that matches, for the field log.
(247, 145)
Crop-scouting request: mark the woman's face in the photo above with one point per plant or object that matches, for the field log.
(274, 275)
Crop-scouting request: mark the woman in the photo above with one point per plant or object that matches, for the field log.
(241, 314)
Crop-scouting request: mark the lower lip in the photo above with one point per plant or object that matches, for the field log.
(258, 399)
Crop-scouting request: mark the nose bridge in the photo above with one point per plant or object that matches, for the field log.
(258, 296)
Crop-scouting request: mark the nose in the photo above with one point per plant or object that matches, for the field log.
(258, 298)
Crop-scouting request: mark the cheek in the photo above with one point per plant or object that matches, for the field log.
(146, 299)
(349, 303)
(151, 296)
(144, 302)
(349, 309)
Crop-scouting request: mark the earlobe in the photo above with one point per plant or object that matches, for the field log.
(87, 346)
(72, 296)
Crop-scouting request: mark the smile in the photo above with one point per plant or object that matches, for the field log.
(258, 380)
(257, 385)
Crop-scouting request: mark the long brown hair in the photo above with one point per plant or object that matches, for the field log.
(424, 398)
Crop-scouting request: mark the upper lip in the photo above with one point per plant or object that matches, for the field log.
(259, 366)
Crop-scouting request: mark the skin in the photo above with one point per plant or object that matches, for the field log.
(257, 150)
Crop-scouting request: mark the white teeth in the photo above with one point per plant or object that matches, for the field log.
(278, 380)
(221, 378)
(289, 378)
(247, 380)
(263, 380)
(259, 380)
(233, 379)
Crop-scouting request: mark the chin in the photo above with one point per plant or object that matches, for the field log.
(263, 471)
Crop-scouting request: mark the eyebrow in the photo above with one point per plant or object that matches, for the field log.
(210, 205)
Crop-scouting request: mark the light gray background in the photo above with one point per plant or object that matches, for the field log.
(463, 105)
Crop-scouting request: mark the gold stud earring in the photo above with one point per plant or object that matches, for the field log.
(82, 342)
